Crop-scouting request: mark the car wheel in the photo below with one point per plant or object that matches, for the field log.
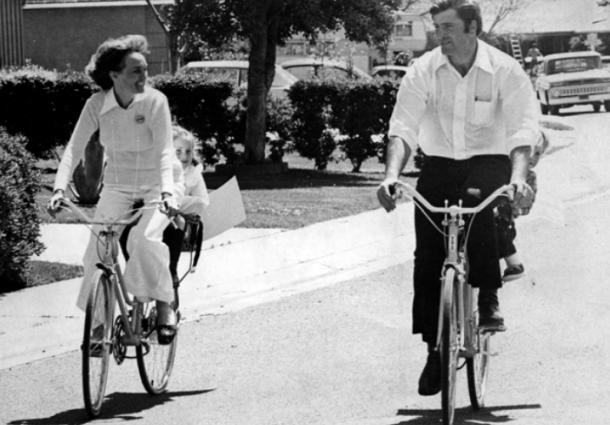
(607, 105)
(597, 107)
(553, 109)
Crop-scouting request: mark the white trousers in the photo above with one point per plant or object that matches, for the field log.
(146, 273)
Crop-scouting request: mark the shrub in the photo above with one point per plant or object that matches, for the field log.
(201, 107)
(361, 111)
(19, 222)
(312, 120)
(279, 128)
(42, 105)
(350, 115)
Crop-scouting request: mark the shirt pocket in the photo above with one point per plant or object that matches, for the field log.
(482, 114)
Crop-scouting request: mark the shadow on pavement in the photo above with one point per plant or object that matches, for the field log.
(121, 406)
(463, 415)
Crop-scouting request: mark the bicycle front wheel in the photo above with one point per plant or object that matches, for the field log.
(449, 346)
(477, 367)
(155, 360)
(97, 344)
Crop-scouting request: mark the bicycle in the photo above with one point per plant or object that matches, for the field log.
(134, 326)
(458, 334)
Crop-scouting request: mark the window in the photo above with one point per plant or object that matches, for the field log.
(573, 64)
(403, 29)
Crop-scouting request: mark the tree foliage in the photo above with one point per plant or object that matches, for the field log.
(266, 23)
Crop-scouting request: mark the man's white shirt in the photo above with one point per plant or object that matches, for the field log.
(491, 110)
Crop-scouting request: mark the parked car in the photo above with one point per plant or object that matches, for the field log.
(568, 79)
(389, 71)
(308, 68)
(236, 72)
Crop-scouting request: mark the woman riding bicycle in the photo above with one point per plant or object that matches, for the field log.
(135, 129)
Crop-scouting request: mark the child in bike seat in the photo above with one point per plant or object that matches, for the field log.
(504, 218)
(194, 200)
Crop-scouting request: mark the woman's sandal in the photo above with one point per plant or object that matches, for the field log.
(166, 329)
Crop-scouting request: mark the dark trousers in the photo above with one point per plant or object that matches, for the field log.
(505, 221)
(446, 179)
(505, 227)
(173, 237)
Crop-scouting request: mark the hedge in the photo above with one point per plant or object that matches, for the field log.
(42, 105)
(318, 119)
(19, 222)
(351, 116)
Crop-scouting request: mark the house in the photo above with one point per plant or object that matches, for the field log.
(556, 24)
(63, 34)
(11, 33)
(409, 34)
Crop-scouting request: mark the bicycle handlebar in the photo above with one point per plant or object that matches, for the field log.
(119, 221)
(453, 209)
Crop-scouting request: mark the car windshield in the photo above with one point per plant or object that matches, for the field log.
(576, 64)
(307, 72)
(237, 76)
(390, 73)
(231, 75)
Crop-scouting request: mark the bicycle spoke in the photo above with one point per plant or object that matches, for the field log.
(155, 360)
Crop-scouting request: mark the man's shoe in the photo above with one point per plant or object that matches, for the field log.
(430, 379)
(513, 272)
(490, 318)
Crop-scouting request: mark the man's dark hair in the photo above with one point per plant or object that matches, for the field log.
(467, 11)
(110, 56)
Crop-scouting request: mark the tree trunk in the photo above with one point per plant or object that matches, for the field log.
(257, 96)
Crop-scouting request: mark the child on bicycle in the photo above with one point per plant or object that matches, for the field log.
(134, 124)
(504, 217)
(195, 197)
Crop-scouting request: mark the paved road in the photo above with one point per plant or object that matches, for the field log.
(343, 355)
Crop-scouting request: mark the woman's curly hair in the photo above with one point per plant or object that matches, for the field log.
(110, 56)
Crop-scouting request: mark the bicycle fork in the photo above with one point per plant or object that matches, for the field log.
(453, 261)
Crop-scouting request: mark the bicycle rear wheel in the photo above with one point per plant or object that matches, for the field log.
(477, 368)
(449, 346)
(97, 344)
(155, 361)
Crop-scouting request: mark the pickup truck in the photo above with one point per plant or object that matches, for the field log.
(567, 79)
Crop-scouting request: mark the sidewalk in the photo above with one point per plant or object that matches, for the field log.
(238, 269)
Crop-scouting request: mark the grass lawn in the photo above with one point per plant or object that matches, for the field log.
(290, 200)
(297, 198)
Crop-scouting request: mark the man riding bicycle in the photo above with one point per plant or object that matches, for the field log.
(472, 111)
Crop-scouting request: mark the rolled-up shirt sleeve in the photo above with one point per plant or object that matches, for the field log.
(521, 110)
(162, 139)
(86, 125)
(410, 105)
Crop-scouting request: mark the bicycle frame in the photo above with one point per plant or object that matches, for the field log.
(454, 222)
(109, 264)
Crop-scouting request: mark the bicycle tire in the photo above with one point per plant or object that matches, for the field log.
(155, 361)
(477, 368)
(96, 352)
(449, 347)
